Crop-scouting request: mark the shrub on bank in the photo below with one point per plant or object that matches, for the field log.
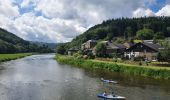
(112, 66)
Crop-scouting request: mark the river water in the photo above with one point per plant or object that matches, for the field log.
(40, 77)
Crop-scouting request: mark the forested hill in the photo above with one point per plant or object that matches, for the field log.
(50, 45)
(126, 28)
(10, 43)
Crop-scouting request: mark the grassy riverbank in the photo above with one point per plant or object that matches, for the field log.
(155, 72)
(7, 57)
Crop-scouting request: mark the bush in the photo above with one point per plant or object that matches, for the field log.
(140, 63)
(90, 55)
(114, 59)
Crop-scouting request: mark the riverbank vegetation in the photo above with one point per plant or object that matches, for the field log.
(7, 57)
(149, 71)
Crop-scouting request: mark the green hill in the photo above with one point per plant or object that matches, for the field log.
(10, 43)
(50, 45)
(125, 29)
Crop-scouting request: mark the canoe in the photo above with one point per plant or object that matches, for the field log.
(110, 97)
(109, 81)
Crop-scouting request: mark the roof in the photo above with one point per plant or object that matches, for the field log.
(129, 44)
(104, 41)
(91, 41)
(116, 46)
(155, 47)
(121, 46)
(148, 41)
(73, 49)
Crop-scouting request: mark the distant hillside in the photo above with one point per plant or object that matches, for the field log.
(126, 28)
(50, 45)
(10, 43)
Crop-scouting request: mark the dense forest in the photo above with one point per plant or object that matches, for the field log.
(125, 29)
(10, 43)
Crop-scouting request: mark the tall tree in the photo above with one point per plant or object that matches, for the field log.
(145, 34)
(109, 36)
(61, 49)
(128, 33)
(159, 35)
(101, 49)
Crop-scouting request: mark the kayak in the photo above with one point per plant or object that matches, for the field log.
(111, 97)
(109, 81)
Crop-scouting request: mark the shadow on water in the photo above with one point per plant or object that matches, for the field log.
(124, 78)
(128, 80)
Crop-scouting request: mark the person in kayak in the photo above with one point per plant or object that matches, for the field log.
(113, 94)
(104, 94)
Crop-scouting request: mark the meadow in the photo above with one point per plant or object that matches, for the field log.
(7, 57)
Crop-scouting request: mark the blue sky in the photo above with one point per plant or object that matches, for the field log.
(157, 5)
(63, 20)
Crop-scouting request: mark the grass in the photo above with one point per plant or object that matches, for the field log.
(134, 65)
(137, 41)
(149, 71)
(7, 57)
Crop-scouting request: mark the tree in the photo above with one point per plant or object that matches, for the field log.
(128, 33)
(168, 30)
(109, 36)
(159, 35)
(120, 40)
(101, 50)
(61, 49)
(101, 33)
(164, 55)
(160, 57)
(145, 34)
(147, 25)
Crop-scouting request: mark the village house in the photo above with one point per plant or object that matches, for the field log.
(146, 50)
(71, 51)
(88, 46)
(112, 48)
(128, 44)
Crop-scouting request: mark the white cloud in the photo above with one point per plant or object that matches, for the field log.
(35, 28)
(141, 12)
(165, 11)
(62, 20)
(7, 9)
(25, 3)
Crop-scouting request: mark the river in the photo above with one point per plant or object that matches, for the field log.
(40, 77)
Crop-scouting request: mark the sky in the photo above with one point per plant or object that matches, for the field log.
(56, 21)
